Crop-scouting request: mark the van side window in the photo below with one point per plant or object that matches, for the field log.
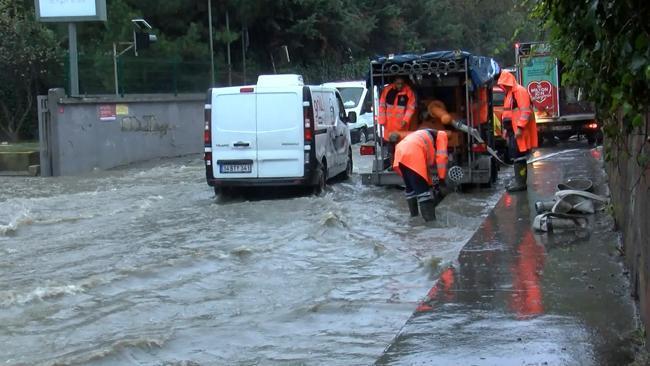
(367, 103)
(341, 108)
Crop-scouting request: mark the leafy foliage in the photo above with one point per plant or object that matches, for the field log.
(326, 39)
(605, 45)
(26, 49)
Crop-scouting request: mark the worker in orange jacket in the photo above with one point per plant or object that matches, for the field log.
(397, 105)
(418, 157)
(520, 126)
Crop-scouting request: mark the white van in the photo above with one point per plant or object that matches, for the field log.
(279, 132)
(358, 99)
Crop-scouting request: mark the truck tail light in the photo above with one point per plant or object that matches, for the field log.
(592, 126)
(367, 150)
(479, 148)
(247, 90)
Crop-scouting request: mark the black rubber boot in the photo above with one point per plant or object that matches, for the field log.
(519, 182)
(428, 209)
(413, 206)
(437, 195)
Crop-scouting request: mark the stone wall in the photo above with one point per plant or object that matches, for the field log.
(629, 181)
(81, 134)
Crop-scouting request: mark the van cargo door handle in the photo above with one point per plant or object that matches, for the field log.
(241, 144)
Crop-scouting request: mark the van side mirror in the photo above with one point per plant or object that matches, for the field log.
(352, 117)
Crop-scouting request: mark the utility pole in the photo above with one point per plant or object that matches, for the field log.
(73, 54)
(228, 52)
(244, 36)
(211, 42)
(115, 76)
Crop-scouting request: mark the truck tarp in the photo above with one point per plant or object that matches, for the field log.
(482, 69)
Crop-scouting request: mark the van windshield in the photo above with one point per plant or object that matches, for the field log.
(351, 96)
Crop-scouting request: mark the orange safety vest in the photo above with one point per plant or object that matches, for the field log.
(418, 152)
(396, 107)
(518, 108)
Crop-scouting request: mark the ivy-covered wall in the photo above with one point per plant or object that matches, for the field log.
(629, 181)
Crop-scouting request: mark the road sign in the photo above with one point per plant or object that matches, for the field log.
(71, 12)
(68, 11)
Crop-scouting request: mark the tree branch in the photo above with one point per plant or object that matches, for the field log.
(28, 108)
(5, 111)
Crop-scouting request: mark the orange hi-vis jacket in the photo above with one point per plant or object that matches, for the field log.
(396, 107)
(518, 108)
(420, 153)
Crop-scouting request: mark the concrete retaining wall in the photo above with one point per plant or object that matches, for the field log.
(630, 186)
(79, 135)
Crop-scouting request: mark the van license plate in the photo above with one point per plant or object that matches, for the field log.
(236, 168)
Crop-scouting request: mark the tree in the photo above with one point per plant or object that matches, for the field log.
(26, 48)
(605, 46)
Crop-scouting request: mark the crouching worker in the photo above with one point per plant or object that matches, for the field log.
(418, 157)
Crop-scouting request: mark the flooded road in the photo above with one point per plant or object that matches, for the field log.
(143, 266)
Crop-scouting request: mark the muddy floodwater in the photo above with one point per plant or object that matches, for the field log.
(143, 266)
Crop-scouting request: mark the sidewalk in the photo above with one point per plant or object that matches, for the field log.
(516, 297)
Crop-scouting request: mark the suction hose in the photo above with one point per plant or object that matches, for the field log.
(474, 132)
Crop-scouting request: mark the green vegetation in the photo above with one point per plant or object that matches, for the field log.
(27, 50)
(19, 147)
(605, 45)
(326, 40)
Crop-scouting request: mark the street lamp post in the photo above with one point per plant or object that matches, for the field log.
(211, 42)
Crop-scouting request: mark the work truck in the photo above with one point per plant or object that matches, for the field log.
(560, 110)
(456, 82)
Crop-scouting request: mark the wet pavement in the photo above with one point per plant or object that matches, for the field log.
(142, 266)
(515, 297)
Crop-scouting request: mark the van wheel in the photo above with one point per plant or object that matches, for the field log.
(348, 169)
(322, 180)
(217, 190)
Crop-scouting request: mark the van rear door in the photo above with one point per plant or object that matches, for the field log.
(280, 132)
(234, 134)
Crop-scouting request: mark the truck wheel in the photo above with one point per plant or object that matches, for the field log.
(540, 140)
(217, 190)
(591, 139)
(550, 139)
(564, 136)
